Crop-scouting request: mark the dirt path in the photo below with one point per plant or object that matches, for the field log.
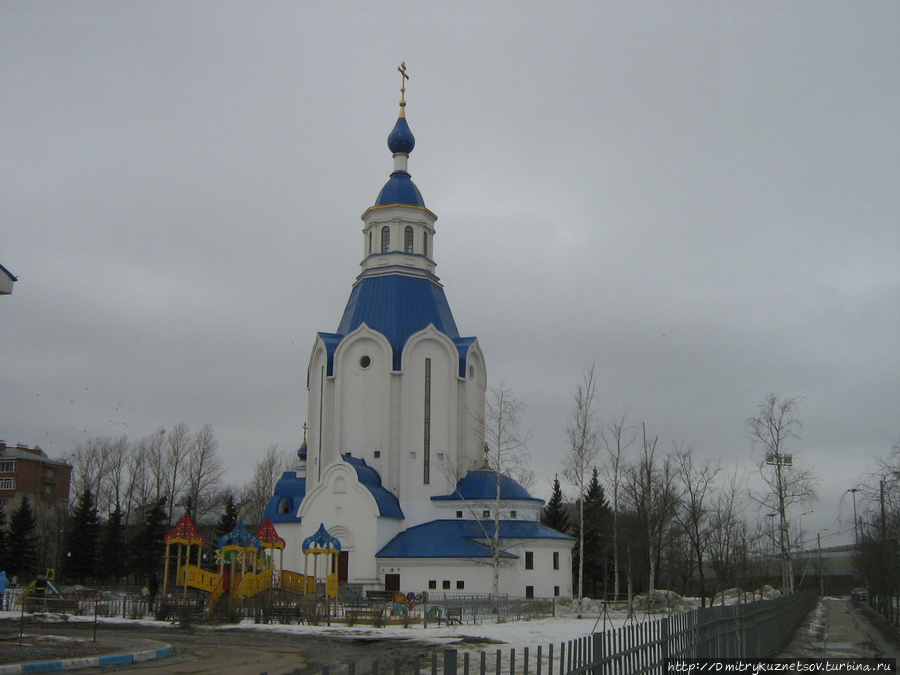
(237, 652)
(840, 628)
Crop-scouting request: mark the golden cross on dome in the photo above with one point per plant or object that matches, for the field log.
(404, 78)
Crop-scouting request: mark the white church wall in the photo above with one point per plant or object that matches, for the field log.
(363, 364)
(471, 416)
(440, 351)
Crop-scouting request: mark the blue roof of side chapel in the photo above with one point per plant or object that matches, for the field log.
(482, 484)
(388, 505)
(459, 538)
(289, 488)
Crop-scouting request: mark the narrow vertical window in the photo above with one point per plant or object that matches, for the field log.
(385, 239)
(319, 444)
(425, 244)
(408, 240)
(426, 445)
(556, 560)
(370, 242)
(529, 560)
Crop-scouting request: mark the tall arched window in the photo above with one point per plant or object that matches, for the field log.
(408, 240)
(385, 239)
(425, 244)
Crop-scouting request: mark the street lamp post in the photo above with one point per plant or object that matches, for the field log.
(779, 461)
(821, 569)
(853, 491)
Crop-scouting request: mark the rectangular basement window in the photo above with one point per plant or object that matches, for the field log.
(432, 584)
(529, 591)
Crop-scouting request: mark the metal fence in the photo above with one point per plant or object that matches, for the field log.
(752, 630)
(886, 605)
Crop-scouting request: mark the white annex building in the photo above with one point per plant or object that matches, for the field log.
(393, 465)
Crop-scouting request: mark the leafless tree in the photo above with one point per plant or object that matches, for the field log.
(583, 433)
(617, 436)
(729, 532)
(114, 486)
(694, 511)
(771, 429)
(652, 492)
(89, 466)
(178, 449)
(205, 472)
(505, 454)
(257, 493)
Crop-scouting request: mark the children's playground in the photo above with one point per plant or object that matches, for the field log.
(246, 579)
(249, 576)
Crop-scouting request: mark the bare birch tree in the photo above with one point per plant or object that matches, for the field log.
(650, 487)
(617, 436)
(205, 472)
(582, 431)
(697, 478)
(257, 493)
(771, 429)
(505, 455)
(178, 449)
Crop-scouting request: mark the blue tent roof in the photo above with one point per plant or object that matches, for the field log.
(457, 538)
(388, 505)
(397, 306)
(483, 485)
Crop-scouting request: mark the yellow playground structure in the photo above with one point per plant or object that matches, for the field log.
(245, 564)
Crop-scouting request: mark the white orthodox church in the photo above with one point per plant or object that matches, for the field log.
(393, 465)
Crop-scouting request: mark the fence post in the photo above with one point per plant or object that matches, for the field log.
(449, 662)
(597, 639)
(664, 639)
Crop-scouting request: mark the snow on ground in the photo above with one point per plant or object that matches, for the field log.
(567, 625)
(481, 637)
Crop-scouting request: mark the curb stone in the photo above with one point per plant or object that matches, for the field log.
(86, 662)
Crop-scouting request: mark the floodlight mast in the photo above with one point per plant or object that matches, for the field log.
(779, 461)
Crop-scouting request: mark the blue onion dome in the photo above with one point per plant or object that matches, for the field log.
(401, 139)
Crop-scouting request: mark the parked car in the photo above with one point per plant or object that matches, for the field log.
(861, 594)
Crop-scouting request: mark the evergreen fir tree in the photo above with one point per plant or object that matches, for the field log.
(113, 550)
(226, 523)
(22, 541)
(597, 521)
(555, 514)
(148, 547)
(229, 518)
(82, 541)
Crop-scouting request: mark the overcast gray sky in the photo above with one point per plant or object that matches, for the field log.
(702, 199)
